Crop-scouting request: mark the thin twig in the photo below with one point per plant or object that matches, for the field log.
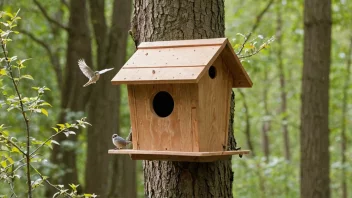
(24, 117)
(50, 138)
(252, 54)
(15, 145)
(244, 42)
(255, 25)
(46, 15)
(48, 182)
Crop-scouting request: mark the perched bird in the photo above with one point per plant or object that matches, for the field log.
(92, 75)
(119, 142)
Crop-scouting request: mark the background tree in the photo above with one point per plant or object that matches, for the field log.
(116, 175)
(315, 157)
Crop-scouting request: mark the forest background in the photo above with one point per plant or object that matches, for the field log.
(267, 116)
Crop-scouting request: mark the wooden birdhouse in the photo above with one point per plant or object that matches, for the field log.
(179, 98)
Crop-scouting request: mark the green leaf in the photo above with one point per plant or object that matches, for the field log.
(44, 112)
(3, 163)
(9, 159)
(15, 150)
(27, 77)
(56, 129)
(62, 126)
(2, 72)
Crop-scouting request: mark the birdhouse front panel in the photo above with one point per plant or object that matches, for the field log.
(213, 107)
(162, 116)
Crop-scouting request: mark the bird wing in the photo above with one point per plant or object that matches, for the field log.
(85, 69)
(105, 70)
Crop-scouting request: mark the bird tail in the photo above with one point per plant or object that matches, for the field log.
(88, 83)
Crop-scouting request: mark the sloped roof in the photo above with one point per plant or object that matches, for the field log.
(179, 61)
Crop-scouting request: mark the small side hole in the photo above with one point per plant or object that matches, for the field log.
(212, 72)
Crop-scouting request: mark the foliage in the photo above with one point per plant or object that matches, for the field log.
(20, 158)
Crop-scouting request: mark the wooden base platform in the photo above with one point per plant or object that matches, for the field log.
(178, 155)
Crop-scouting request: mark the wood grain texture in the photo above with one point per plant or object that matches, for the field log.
(176, 62)
(182, 43)
(157, 75)
(178, 156)
(170, 133)
(213, 108)
(169, 57)
(240, 76)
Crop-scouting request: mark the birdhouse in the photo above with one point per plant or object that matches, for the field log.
(179, 98)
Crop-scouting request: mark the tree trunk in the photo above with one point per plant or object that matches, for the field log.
(177, 20)
(73, 96)
(283, 110)
(315, 155)
(267, 120)
(101, 169)
(344, 121)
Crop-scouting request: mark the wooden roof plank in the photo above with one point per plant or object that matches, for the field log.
(169, 57)
(181, 43)
(157, 75)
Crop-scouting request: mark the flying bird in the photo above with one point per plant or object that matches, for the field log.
(93, 76)
(119, 142)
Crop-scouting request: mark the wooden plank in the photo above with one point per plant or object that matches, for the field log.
(133, 115)
(157, 75)
(173, 132)
(241, 78)
(172, 57)
(177, 153)
(213, 109)
(179, 156)
(182, 43)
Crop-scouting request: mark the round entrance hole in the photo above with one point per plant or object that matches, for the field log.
(163, 104)
(212, 72)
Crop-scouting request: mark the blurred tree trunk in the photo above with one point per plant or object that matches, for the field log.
(248, 123)
(103, 171)
(315, 157)
(283, 110)
(344, 121)
(73, 96)
(267, 120)
(177, 20)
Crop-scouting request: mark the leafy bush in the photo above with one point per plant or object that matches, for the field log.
(20, 157)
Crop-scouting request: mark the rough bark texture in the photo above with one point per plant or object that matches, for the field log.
(315, 155)
(74, 97)
(101, 169)
(283, 94)
(177, 20)
(344, 121)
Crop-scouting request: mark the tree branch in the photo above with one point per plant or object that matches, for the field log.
(46, 15)
(54, 60)
(255, 25)
(24, 117)
(37, 40)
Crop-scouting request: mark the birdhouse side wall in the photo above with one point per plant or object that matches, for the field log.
(213, 107)
(176, 132)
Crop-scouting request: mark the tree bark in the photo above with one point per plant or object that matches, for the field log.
(103, 171)
(178, 20)
(314, 135)
(283, 94)
(344, 121)
(73, 96)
